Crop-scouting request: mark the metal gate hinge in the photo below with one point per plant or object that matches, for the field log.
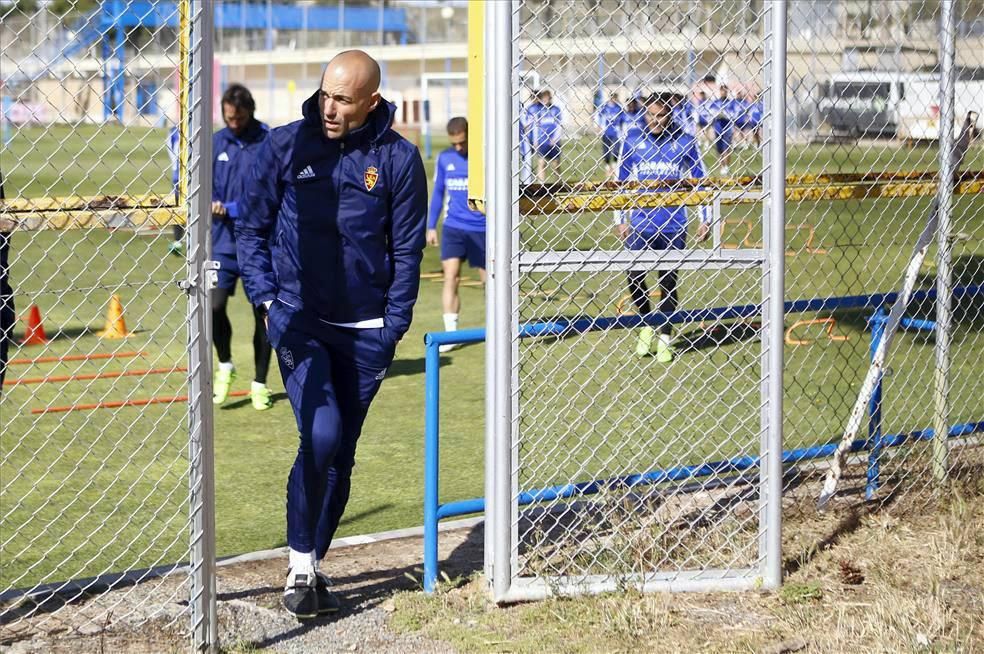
(211, 277)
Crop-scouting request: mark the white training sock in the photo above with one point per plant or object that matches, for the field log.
(301, 560)
(256, 386)
(665, 339)
(226, 366)
(450, 322)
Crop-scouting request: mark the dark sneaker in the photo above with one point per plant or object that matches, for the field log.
(328, 601)
(301, 595)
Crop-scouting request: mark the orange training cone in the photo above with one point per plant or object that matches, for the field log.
(34, 334)
(115, 324)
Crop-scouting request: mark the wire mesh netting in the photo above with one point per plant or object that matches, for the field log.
(94, 411)
(636, 441)
(616, 408)
(873, 109)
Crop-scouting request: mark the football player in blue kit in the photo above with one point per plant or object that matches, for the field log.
(722, 113)
(234, 149)
(663, 152)
(463, 234)
(543, 125)
(609, 119)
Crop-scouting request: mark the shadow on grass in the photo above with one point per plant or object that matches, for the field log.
(64, 333)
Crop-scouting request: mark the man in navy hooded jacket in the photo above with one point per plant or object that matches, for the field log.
(344, 198)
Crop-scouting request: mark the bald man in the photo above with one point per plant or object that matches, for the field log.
(343, 198)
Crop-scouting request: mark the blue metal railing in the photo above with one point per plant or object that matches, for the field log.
(434, 511)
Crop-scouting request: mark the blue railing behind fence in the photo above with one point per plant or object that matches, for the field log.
(434, 512)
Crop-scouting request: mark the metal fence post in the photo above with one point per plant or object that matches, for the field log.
(944, 270)
(875, 411)
(204, 622)
(773, 283)
(498, 164)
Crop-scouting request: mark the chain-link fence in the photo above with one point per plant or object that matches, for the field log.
(885, 84)
(106, 462)
(637, 419)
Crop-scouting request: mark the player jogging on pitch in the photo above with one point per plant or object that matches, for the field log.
(543, 124)
(662, 152)
(722, 113)
(463, 234)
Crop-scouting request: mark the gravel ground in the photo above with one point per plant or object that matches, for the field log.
(152, 616)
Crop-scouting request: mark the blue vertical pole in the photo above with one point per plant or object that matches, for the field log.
(432, 390)
(7, 132)
(269, 48)
(107, 21)
(447, 89)
(120, 84)
(425, 127)
(875, 411)
(601, 81)
(382, 36)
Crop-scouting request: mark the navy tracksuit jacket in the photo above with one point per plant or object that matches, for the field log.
(347, 221)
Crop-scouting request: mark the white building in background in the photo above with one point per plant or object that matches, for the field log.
(581, 47)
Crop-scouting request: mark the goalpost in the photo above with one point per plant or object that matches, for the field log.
(427, 81)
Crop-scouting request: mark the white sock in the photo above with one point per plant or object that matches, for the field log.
(301, 561)
(665, 339)
(256, 386)
(226, 366)
(450, 322)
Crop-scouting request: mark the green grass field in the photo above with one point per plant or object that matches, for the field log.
(92, 491)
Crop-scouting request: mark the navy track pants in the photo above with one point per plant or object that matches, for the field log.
(331, 375)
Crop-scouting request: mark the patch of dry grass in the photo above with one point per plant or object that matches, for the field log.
(908, 577)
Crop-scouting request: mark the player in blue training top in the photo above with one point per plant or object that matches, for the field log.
(234, 150)
(662, 152)
(463, 235)
(721, 113)
(543, 124)
(609, 119)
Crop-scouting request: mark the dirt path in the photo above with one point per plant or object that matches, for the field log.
(152, 617)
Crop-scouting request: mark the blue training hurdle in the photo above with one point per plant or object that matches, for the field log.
(434, 512)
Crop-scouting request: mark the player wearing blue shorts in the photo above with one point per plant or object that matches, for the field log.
(463, 234)
(609, 119)
(543, 125)
(721, 113)
(662, 152)
(234, 151)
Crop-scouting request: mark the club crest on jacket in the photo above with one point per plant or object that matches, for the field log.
(370, 177)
